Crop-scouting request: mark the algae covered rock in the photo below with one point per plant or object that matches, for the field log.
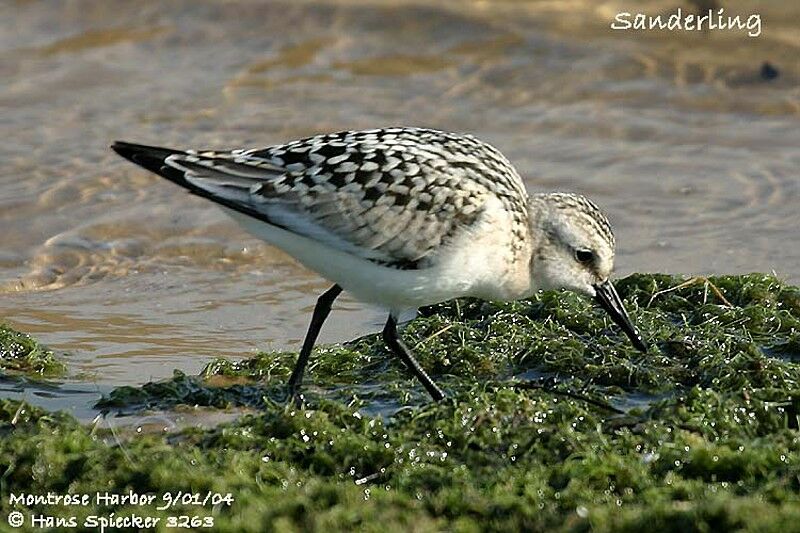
(21, 354)
(729, 333)
(554, 423)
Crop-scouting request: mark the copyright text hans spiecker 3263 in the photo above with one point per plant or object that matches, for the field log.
(179, 510)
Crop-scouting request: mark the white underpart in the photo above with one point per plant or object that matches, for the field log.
(477, 263)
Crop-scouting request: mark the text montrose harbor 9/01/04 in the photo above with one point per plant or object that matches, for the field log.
(680, 21)
(162, 501)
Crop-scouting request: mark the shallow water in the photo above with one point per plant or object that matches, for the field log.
(693, 154)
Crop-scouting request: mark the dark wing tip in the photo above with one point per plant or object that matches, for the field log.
(139, 153)
(150, 158)
(126, 150)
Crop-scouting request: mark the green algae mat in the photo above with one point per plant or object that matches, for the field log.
(554, 423)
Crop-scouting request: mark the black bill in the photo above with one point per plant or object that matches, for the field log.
(606, 295)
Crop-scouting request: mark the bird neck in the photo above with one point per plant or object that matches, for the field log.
(538, 212)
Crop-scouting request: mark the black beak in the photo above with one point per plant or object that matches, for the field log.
(606, 295)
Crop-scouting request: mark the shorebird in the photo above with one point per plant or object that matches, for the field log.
(403, 217)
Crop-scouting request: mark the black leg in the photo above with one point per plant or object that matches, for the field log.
(321, 311)
(399, 348)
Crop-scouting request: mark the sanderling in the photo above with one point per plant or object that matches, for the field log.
(403, 217)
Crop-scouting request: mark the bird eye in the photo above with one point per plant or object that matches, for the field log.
(584, 256)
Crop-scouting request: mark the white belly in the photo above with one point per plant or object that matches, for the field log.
(475, 264)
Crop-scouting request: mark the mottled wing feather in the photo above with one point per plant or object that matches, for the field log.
(361, 191)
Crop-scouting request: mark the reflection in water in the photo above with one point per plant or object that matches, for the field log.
(75, 397)
(680, 137)
(99, 39)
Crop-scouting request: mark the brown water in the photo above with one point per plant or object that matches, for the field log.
(692, 153)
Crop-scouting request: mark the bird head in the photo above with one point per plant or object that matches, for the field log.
(574, 250)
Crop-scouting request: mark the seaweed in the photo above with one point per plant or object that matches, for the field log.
(22, 355)
(553, 422)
